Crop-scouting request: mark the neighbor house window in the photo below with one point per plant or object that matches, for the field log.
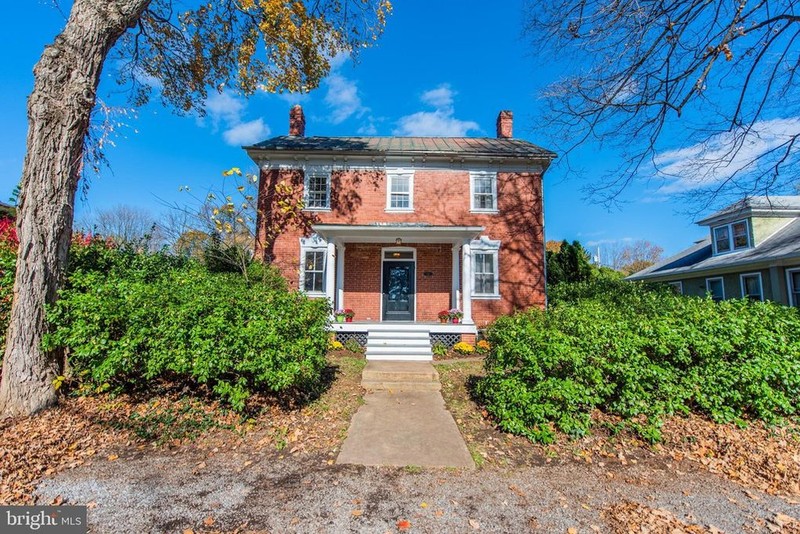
(483, 189)
(794, 287)
(677, 287)
(716, 287)
(751, 286)
(313, 256)
(485, 277)
(400, 191)
(318, 189)
(730, 237)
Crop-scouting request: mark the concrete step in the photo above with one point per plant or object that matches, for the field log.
(377, 385)
(386, 334)
(399, 372)
(389, 343)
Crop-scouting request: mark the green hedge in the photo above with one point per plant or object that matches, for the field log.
(130, 319)
(640, 353)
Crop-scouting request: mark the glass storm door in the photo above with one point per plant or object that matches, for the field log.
(398, 291)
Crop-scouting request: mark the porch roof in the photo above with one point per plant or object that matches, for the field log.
(389, 233)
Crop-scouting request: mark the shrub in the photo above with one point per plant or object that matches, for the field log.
(152, 317)
(353, 346)
(462, 347)
(640, 353)
(439, 349)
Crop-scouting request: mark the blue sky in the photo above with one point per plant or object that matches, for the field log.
(442, 68)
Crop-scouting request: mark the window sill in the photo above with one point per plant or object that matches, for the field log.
(399, 210)
(317, 209)
(485, 297)
(314, 295)
(485, 212)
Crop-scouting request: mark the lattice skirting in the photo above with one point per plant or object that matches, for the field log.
(448, 340)
(360, 337)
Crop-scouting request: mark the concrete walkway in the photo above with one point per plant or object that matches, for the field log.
(403, 424)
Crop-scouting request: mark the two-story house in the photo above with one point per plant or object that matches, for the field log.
(752, 251)
(401, 228)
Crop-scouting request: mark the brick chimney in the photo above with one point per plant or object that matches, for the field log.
(505, 125)
(297, 121)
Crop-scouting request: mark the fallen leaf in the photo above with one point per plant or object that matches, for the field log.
(474, 524)
(423, 505)
(112, 457)
(403, 524)
(357, 513)
(208, 521)
(572, 530)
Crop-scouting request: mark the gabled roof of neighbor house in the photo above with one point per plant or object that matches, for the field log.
(775, 206)
(699, 259)
(406, 146)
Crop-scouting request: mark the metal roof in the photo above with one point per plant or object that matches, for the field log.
(396, 146)
(783, 244)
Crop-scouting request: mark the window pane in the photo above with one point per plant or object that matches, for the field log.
(399, 184)
(483, 268)
(715, 288)
(400, 200)
(795, 283)
(752, 287)
(739, 235)
(314, 272)
(483, 192)
(722, 239)
(317, 194)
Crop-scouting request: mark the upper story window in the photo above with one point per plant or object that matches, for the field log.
(317, 189)
(400, 190)
(731, 237)
(793, 276)
(483, 191)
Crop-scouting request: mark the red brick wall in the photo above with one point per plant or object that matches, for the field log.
(440, 198)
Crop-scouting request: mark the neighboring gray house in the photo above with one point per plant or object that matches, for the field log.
(752, 250)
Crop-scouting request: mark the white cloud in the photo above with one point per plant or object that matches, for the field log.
(441, 97)
(227, 112)
(712, 161)
(441, 121)
(246, 133)
(342, 98)
(222, 107)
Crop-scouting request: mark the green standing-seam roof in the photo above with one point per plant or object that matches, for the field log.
(406, 146)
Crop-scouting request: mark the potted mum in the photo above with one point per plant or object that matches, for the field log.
(444, 316)
(456, 315)
(340, 315)
(348, 315)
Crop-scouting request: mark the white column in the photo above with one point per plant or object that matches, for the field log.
(466, 282)
(330, 275)
(454, 285)
(340, 276)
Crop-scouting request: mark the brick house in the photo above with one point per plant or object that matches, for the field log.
(401, 228)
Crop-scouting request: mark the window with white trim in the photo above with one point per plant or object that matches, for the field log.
(313, 259)
(400, 191)
(317, 189)
(793, 276)
(483, 191)
(716, 287)
(485, 268)
(751, 286)
(731, 237)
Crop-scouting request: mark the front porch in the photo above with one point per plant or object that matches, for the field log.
(406, 341)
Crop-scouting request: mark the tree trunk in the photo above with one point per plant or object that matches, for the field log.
(59, 109)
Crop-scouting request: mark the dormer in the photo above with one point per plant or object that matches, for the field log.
(750, 222)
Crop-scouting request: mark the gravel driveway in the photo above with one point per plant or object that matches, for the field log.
(267, 492)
